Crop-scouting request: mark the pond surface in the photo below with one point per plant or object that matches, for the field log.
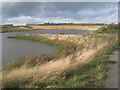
(12, 49)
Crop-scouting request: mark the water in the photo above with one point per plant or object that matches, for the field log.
(12, 49)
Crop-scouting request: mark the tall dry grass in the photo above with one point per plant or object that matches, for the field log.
(23, 77)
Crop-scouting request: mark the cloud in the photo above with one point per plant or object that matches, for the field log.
(40, 12)
(16, 9)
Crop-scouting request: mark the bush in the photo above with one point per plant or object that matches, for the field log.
(61, 33)
(113, 26)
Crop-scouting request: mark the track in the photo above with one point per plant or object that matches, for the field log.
(112, 79)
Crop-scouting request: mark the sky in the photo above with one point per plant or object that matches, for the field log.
(59, 12)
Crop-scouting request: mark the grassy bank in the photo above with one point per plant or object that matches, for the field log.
(63, 49)
(91, 75)
(88, 75)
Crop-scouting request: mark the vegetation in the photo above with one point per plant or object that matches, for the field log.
(61, 33)
(92, 75)
(111, 28)
(89, 75)
(15, 28)
(82, 24)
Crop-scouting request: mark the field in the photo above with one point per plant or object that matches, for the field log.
(82, 61)
(68, 27)
(42, 27)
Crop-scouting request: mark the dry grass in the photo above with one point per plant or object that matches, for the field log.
(68, 27)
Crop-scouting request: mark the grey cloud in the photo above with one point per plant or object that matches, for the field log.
(73, 10)
(13, 9)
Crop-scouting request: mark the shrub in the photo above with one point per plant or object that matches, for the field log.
(61, 33)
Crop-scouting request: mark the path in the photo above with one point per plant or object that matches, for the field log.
(112, 80)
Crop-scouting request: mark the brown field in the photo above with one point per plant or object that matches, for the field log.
(69, 27)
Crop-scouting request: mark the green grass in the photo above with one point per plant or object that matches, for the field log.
(61, 33)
